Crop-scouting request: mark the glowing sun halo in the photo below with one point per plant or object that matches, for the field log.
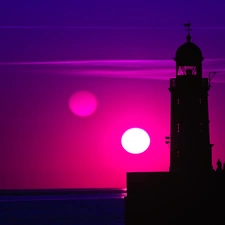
(135, 140)
(83, 103)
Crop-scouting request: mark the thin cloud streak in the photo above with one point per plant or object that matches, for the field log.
(142, 69)
(108, 28)
(104, 62)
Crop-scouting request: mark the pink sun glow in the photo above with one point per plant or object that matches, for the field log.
(83, 103)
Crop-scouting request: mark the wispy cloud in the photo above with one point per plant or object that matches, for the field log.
(109, 27)
(143, 69)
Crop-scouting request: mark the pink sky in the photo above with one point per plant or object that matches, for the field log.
(47, 146)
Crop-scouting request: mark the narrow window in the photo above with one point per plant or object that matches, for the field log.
(178, 101)
(178, 154)
(178, 127)
(200, 101)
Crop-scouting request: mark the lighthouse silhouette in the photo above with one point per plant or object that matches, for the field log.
(191, 191)
(190, 148)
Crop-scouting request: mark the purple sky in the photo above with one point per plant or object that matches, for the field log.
(153, 29)
(121, 51)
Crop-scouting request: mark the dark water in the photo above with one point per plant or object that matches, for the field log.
(97, 207)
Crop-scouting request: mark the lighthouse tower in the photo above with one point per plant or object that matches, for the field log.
(190, 148)
(191, 190)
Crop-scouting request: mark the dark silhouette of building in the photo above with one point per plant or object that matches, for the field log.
(191, 191)
(190, 148)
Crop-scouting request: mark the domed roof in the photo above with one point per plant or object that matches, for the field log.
(188, 53)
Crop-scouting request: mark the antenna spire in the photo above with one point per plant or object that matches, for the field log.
(188, 25)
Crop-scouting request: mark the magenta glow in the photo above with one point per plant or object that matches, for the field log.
(83, 103)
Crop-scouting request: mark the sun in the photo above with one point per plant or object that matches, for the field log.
(135, 140)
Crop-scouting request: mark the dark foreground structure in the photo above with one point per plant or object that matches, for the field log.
(191, 192)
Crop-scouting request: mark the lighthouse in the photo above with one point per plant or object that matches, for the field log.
(190, 148)
(191, 191)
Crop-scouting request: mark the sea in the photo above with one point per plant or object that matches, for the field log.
(62, 207)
